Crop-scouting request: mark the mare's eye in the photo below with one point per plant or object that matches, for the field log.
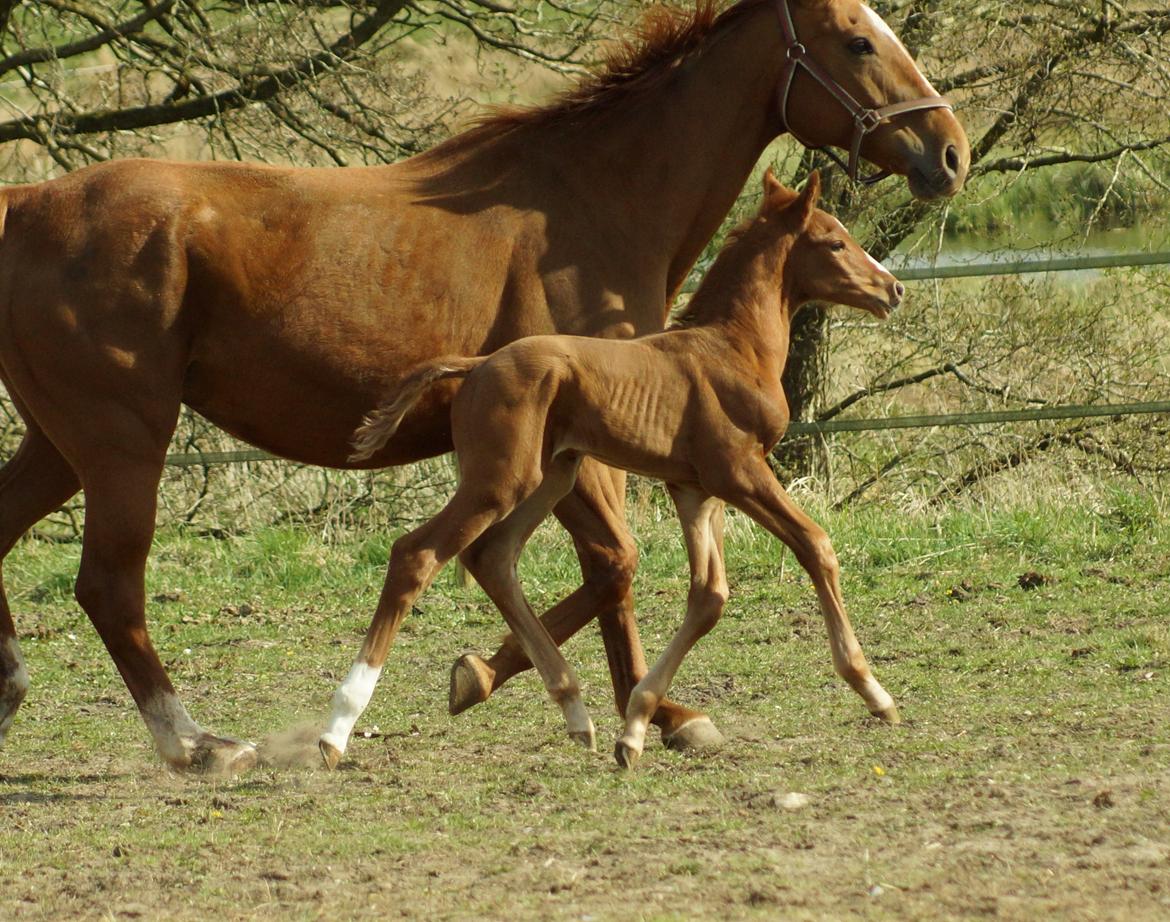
(861, 46)
(837, 246)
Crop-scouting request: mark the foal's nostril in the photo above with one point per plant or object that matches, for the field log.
(951, 159)
(899, 290)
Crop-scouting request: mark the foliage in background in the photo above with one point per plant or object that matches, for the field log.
(1065, 105)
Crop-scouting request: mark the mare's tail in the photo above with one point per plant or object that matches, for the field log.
(377, 428)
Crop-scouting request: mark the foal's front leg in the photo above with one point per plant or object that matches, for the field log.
(701, 516)
(753, 488)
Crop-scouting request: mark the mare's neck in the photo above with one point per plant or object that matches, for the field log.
(677, 155)
(662, 168)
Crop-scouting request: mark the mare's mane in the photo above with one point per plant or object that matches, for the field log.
(665, 36)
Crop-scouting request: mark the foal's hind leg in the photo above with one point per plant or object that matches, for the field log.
(34, 482)
(415, 560)
(492, 560)
(701, 517)
(594, 515)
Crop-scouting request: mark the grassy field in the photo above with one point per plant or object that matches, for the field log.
(1032, 775)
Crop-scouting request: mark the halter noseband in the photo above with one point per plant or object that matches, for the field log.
(864, 120)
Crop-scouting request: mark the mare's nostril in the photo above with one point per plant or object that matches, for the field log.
(951, 159)
(899, 290)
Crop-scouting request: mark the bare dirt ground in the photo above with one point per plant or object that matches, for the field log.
(1032, 777)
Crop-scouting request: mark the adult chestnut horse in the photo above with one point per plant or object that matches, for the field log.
(282, 303)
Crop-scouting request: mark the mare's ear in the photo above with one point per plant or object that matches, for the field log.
(806, 202)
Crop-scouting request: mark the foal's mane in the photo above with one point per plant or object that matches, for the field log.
(724, 277)
(665, 36)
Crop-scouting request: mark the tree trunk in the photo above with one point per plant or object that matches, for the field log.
(806, 376)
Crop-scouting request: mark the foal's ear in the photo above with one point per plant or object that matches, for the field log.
(806, 202)
(772, 186)
(776, 194)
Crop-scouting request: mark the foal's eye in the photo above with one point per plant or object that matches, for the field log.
(861, 46)
(837, 246)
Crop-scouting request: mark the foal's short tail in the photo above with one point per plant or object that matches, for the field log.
(377, 428)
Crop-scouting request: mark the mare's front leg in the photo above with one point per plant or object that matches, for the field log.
(701, 517)
(594, 515)
(753, 488)
(415, 560)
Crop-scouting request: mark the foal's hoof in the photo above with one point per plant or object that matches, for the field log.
(888, 715)
(330, 754)
(587, 738)
(471, 683)
(220, 755)
(627, 754)
(695, 734)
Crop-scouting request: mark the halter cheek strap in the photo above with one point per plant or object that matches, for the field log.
(865, 120)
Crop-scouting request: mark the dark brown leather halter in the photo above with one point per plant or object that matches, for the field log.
(864, 120)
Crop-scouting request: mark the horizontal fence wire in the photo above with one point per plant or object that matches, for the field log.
(922, 273)
(987, 418)
(1026, 266)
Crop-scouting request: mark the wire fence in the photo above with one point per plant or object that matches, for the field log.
(909, 274)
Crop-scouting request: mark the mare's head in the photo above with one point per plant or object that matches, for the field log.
(823, 261)
(854, 46)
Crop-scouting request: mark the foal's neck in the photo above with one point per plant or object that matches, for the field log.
(746, 301)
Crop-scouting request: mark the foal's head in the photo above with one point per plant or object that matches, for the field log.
(824, 263)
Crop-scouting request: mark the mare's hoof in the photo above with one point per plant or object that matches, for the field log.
(888, 715)
(626, 754)
(695, 734)
(330, 754)
(219, 755)
(471, 683)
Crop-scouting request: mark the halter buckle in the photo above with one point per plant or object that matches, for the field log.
(867, 120)
(795, 51)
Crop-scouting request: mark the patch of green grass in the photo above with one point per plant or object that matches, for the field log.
(1030, 775)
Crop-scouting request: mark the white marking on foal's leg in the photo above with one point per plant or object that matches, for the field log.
(13, 686)
(578, 722)
(176, 735)
(879, 701)
(643, 702)
(349, 701)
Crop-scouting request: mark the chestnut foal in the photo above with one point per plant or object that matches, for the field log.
(698, 406)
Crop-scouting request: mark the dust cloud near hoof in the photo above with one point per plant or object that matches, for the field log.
(295, 747)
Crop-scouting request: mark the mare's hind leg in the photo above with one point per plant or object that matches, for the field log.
(114, 433)
(34, 482)
(594, 515)
(492, 561)
(701, 517)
